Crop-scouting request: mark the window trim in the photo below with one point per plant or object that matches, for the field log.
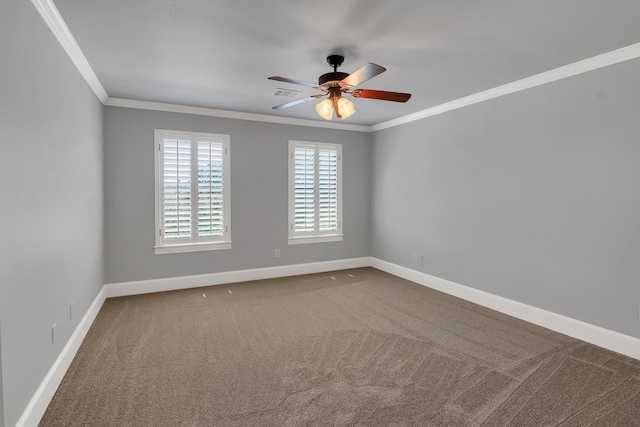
(161, 246)
(317, 236)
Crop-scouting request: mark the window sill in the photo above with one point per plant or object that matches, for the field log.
(315, 239)
(192, 247)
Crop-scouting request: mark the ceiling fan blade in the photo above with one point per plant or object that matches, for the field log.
(294, 81)
(363, 74)
(297, 101)
(381, 94)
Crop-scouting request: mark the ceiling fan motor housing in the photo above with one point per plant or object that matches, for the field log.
(329, 78)
(333, 79)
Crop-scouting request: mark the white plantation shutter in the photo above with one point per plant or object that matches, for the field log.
(314, 192)
(210, 189)
(327, 190)
(192, 191)
(304, 189)
(177, 188)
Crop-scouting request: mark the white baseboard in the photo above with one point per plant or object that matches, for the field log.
(197, 281)
(38, 404)
(620, 343)
(42, 397)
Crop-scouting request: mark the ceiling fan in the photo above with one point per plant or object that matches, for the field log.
(336, 83)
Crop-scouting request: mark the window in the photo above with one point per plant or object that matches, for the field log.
(315, 192)
(192, 192)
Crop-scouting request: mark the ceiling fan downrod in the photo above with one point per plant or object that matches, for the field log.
(335, 61)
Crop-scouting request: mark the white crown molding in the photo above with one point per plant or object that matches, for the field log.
(593, 63)
(615, 341)
(202, 111)
(54, 20)
(589, 64)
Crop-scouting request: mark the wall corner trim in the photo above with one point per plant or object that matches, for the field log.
(615, 341)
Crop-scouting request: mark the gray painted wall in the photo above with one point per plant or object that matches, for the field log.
(258, 196)
(532, 196)
(51, 198)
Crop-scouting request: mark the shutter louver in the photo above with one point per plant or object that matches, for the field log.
(177, 188)
(327, 190)
(304, 189)
(210, 189)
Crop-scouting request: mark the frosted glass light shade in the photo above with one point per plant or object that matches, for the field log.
(345, 108)
(325, 109)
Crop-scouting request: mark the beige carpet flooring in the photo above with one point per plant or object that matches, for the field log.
(348, 348)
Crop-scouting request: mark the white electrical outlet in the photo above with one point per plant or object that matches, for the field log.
(53, 333)
(416, 257)
(277, 254)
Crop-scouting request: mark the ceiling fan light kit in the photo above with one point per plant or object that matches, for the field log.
(325, 109)
(345, 108)
(337, 83)
(335, 102)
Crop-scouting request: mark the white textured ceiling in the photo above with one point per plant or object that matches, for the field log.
(219, 53)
